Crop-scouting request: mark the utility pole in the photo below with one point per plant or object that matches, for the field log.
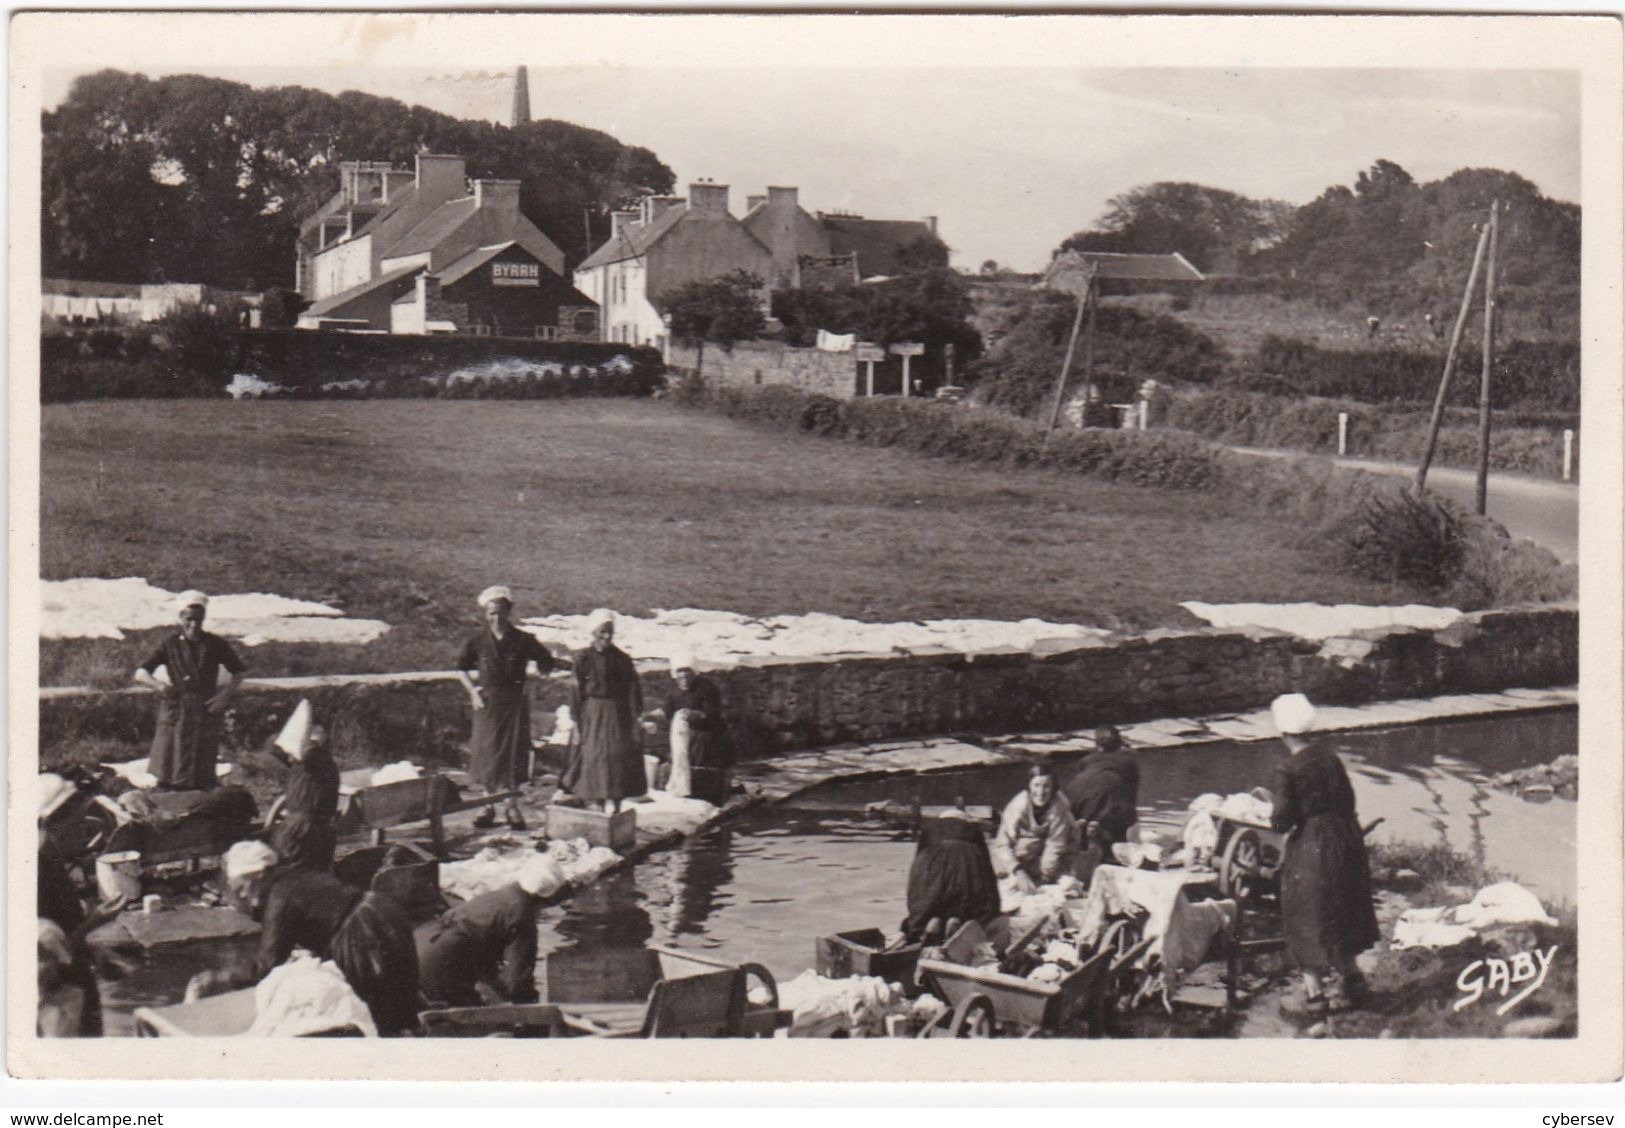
(1489, 360)
(1450, 363)
(1086, 300)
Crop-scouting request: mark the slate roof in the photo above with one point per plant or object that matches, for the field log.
(345, 297)
(875, 241)
(438, 226)
(634, 240)
(1070, 270)
(469, 263)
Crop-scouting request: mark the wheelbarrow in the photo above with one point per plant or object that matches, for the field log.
(687, 996)
(986, 1002)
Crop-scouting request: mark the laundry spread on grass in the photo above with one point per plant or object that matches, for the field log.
(96, 608)
(724, 636)
(1320, 621)
(1505, 902)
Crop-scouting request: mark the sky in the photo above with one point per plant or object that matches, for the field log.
(1010, 159)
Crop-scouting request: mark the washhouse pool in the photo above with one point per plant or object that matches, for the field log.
(764, 885)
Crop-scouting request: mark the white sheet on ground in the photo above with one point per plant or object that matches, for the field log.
(1320, 621)
(500, 864)
(98, 608)
(720, 636)
(1505, 902)
(398, 772)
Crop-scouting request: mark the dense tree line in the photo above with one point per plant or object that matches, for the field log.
(1387, 242)
(204, 180)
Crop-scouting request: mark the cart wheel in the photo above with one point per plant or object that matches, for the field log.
(973, 1018)
(1241, 868)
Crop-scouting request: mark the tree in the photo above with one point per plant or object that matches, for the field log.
(1212, 227)
(142, 177)
(931, 306)
(724, 309)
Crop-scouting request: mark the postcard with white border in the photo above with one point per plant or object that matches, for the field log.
(997, 536)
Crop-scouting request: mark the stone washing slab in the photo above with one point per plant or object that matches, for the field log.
(186, 924)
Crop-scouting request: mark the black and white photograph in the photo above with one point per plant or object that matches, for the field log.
(798, 529)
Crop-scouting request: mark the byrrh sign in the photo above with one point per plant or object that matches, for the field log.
(516, 274)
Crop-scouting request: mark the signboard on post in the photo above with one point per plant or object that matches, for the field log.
(870, 355)
(907, 348)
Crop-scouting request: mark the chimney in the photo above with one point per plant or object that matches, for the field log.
(754, 202)
(783, 197)
(652, 208)
(439, 178)
(931, 222)
(709, 200)
(621, 220)
(498, 197)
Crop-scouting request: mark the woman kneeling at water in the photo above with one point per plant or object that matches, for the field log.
(951, 880)
(364, 934)
(1038, 838)
(1326, 904)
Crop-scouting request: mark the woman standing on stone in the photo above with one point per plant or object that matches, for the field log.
(500, 656)
(1326, 905)
(608, 763)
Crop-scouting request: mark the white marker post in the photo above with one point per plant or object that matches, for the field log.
(906, 349)
(869, 354)
(1568, 455)
(1342, 433)
(1144, 413)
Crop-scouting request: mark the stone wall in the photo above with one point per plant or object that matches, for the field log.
(751, 364)
(782, 704)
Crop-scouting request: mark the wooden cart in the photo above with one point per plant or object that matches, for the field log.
(687, 996)
(1250, 855)
(378, 809)
(987, 1003)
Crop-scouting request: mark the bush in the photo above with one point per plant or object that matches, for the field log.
(1536, 375)
(1401, 537)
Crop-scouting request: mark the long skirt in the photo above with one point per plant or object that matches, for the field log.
(186, 744)
(375, 950)
(499, 752)
(305, 839)
(951, 880)
(1326, 905)
(608, 763)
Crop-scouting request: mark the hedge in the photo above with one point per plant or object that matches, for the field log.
(208, 362)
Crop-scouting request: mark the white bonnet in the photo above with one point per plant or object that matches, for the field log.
(681, 660)
(495, 592)
(246, 858)
(190, 599)
(599, 617)
(1293, 714)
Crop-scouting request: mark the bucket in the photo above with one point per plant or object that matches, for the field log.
(119, 875)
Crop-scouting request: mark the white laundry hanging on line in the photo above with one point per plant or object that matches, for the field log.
(836, 342)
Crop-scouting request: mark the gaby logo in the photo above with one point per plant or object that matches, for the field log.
(1485, 977)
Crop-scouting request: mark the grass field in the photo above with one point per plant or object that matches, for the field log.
(403, 510)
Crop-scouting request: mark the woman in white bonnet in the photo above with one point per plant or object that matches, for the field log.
(606, 765)
(1326, 904)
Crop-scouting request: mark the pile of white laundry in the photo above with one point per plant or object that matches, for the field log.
(306, 996)
(1505, 902)
(500, 864)
(858, 1006)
